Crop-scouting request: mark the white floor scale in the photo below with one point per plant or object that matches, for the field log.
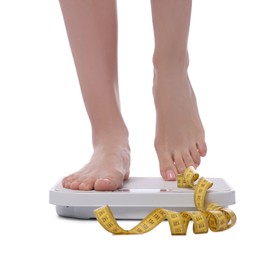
(138, 197)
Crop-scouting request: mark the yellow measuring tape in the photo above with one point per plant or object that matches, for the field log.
(213, 216)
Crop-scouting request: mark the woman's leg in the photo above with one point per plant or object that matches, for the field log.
(180, 140)
(92, 31)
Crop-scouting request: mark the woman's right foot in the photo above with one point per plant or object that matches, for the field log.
(107, 169)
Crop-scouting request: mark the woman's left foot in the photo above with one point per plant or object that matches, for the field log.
(180, 138)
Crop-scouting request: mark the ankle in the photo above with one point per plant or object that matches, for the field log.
(170, 62)
(113, 134)
(118, 149)
(111, 140)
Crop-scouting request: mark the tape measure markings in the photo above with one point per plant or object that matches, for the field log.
(213, 217)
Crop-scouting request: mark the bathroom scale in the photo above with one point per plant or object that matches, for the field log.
(138, 197)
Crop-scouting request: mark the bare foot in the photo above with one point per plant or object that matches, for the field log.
(180, 139)
(107, 170)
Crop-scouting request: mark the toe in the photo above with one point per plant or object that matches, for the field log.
(179, 163)
(67, 181)
(109, 181)
(74, 185)
(188, 160)
(106, 185)
(66, 184)
(167, 168)
(201, 146)
(86, 185)
(169, 175)
(195, 157)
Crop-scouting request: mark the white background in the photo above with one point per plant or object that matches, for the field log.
(45, 133)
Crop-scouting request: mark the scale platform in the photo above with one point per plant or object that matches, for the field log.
(138, 197)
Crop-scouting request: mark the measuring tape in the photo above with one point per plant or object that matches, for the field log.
(213, 216)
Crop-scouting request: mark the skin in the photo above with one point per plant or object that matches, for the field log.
(179, 140)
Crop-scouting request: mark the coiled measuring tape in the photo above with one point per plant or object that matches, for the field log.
(213, 216)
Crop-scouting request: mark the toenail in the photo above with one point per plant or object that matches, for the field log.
(170, 175)
(108, 181)
(74, 184)
(82, 186)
